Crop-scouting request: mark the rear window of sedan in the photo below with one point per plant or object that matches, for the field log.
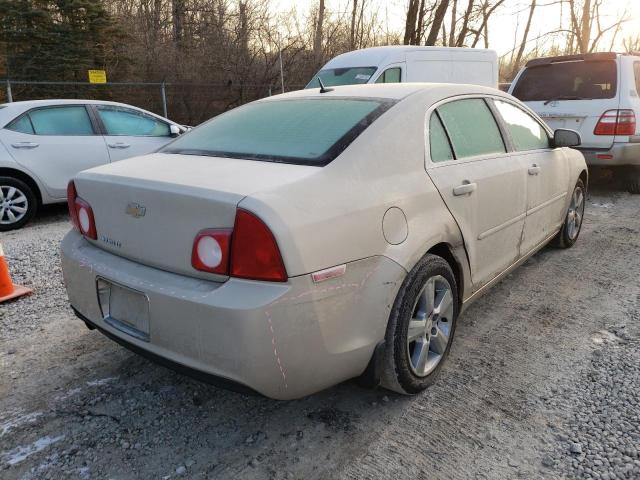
(309, 131)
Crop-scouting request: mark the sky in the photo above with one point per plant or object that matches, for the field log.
(503, 26)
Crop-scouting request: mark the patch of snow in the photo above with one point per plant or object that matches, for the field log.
(18, 454)
(9, 424)
(101, 381)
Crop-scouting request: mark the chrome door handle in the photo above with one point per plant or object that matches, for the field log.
(534, 169)
(119, 145)
(25, 145)
(466, 187)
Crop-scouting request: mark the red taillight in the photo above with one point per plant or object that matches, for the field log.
(254, 251)
(81, 213)
(616, 122)
(71, 203)
(211, 251)
(248, 251)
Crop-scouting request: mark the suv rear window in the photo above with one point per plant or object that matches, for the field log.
(575, 80)
(310, 131)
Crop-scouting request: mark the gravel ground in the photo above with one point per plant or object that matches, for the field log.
(543, 382)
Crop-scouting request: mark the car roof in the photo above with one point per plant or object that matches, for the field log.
(9, 111)
(391, 91)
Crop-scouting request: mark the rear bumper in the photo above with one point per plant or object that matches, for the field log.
(619, 154)
(283, 340)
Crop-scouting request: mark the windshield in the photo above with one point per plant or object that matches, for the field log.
(309, 131)
(342, 76)
(578, 80)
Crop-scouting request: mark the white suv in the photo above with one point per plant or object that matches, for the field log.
(595, 94)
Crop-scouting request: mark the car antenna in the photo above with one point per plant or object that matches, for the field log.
(323, 89)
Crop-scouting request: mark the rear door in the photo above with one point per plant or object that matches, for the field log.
(483, 186)
(573, 94)
(547, 173)
(55, 143)
(130, 132)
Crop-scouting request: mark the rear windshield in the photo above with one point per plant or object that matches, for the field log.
(342, 76)
(577, 80)
(301, 131)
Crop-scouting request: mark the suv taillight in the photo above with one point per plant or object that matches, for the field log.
(616, 122)
(248, 251)
(81, 213)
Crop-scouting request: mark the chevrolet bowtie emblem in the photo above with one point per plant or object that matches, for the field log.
(135, 210)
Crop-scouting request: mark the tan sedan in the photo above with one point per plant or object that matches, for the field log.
(308, 238)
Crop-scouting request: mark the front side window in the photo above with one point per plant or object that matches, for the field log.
(438, 141)
(576, 80)
(390, 75)
(525, 131)
(68, 120)
(471, 127)
(124, 121)
(342, 76)
(308, 131)
(636, 72)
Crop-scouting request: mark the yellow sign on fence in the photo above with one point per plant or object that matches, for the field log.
(97, 76)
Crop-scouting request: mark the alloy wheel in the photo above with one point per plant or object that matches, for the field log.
(14, 204)
(575, 213)
(429, 329)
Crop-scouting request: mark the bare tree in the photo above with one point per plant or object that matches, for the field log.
(438, 18)
(317, 40)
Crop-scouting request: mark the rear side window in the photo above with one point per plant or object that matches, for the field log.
(525, 131)
(577, 80)
(302, 131)
(22, 124)
(471, 127)
(71, 120)
(124, 121)
(438, 141)
(390, 75)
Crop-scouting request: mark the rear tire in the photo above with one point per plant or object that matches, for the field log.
(18, 203)
(568, 234)
(421, 327)
(631, 179)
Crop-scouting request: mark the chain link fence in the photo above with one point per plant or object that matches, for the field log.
(185, 103)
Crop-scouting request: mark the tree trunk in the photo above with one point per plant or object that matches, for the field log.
(317, 40)
(178, 20)
(410, 25)
(585, 27)
(523, 44)
(354, 11)
(452, 32)
(438, 18)
(465, 25)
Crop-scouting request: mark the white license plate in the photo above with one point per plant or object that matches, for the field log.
(124, 308)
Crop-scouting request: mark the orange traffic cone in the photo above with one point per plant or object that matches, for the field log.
(8, 290)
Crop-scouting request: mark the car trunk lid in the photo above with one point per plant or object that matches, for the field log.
(149, 209)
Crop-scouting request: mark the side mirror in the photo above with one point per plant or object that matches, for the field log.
(174, 130)
(566, 138)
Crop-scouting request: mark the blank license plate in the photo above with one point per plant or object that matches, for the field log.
(124, 308)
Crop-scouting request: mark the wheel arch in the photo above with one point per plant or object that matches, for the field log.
(584, 176)
(445, 251)
(24, 177)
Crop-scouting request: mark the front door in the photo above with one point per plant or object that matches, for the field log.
(130, 132)
(55, 143)
(547, 174)
(483, 186)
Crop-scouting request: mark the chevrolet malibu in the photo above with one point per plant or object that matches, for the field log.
(308, 238)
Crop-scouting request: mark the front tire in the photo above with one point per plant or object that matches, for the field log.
(568, 234)
(18, 203)
(421, 326)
